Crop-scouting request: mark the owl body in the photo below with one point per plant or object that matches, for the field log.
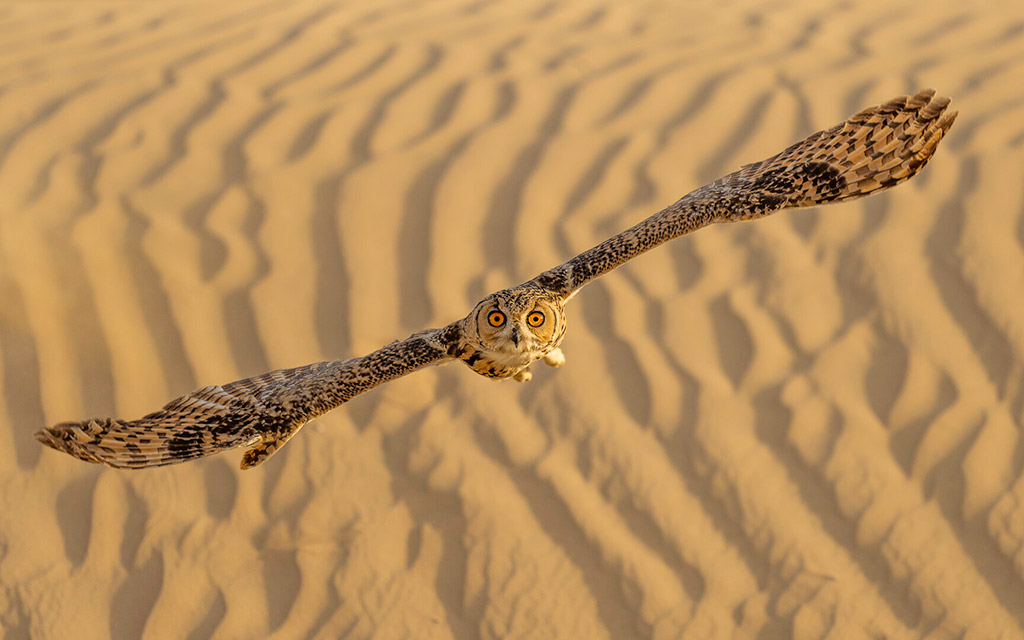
(511, 329)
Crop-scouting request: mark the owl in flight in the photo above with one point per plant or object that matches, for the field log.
(511, 329)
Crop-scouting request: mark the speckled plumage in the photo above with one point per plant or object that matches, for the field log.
(873, 150)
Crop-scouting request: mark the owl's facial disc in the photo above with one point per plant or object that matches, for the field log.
(511, 329)
(511, 322)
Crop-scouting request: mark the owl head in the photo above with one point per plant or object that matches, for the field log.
(512, 328)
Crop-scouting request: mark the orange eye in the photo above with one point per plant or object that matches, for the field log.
(535, 319)
(496, 318)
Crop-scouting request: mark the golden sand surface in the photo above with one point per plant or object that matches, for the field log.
(807, 426)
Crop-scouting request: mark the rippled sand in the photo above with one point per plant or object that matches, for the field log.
(807, 426)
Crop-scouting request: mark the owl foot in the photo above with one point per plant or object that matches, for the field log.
(523, 376)
(555, 359)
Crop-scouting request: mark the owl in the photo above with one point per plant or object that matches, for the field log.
(511, 329)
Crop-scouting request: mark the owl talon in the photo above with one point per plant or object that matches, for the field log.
(555, 359)
(523, 376)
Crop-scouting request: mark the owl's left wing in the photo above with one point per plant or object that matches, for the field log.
(262, 412)
(873, 150)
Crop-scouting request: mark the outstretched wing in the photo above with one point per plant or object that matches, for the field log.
(875, 149)
(264, 411)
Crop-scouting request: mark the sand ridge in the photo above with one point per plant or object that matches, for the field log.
(807, 426)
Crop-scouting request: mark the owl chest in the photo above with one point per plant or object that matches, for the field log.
(495, 364)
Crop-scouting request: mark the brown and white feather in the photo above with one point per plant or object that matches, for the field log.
(873, 150)
(264, 411)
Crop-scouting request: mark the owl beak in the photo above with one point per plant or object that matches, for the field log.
(515, 335)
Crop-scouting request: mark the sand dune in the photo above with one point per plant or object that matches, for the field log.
(807, 426)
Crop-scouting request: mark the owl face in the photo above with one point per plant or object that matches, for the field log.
(513, 328)
(504, 325)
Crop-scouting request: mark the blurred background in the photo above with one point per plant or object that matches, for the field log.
(806, 426)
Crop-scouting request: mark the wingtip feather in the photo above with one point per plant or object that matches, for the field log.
(74, 438)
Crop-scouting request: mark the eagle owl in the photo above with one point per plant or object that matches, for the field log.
(511, 329)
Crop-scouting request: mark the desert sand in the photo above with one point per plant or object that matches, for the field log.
(806, 426)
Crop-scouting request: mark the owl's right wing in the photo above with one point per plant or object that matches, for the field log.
(262, 412)
(874, 150)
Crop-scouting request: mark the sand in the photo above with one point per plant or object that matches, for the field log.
(807, 426)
